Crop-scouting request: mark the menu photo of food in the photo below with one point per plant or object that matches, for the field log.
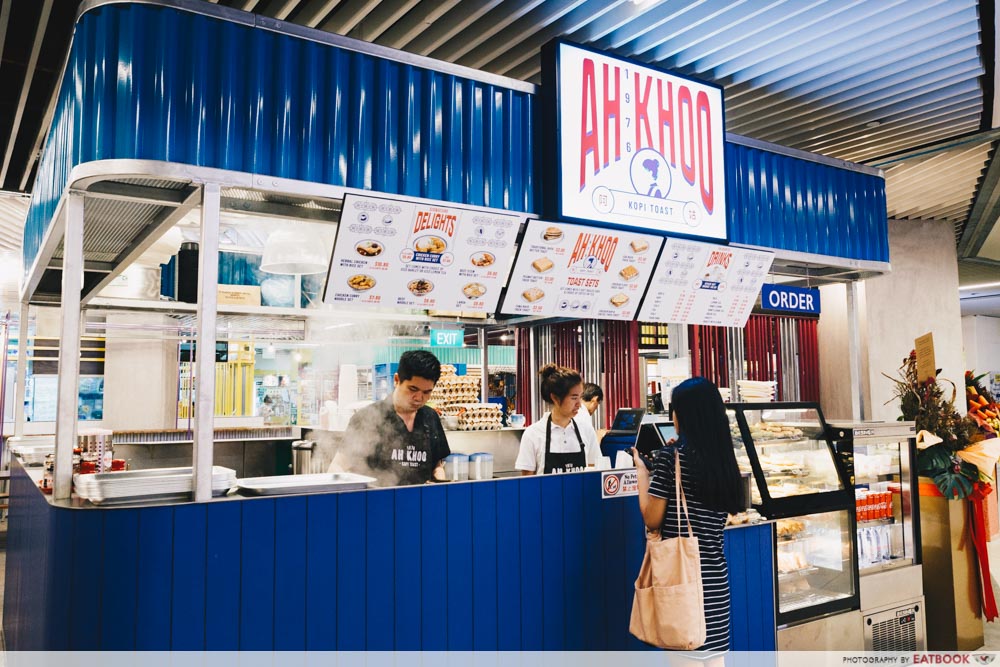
(483, 259)
(542, 264)
(552, 234)
(420, 286)
(369, 248)
(474, 290)
(431, 244)
(361, 282)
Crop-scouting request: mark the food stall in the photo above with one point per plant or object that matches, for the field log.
(321, 570)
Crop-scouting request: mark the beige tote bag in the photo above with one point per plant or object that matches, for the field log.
(668, 609)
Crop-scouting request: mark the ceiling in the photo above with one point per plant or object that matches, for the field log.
(905, 85)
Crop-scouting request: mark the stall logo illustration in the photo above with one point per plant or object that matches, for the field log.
(984, 658)
(593, 252)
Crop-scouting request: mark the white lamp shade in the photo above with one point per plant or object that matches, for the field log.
(290, 252)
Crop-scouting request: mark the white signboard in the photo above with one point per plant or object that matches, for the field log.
(702, 283)
(639, 147)
(409, 254)
(577, 271)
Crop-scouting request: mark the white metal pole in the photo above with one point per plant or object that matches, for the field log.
(854, 352)
(21, 373)
(208, 281)
(484, 355)
(69, 347)
(532, 411)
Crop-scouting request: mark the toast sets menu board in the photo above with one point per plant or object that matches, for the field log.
(703, 283)
(578, 271)
(421, 255)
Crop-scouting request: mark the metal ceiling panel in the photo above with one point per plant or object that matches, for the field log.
(941, 186)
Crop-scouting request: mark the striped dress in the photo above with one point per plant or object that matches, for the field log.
(707, 526)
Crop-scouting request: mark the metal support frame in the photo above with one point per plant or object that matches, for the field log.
(533, 362)
(22, 372)
(208, 282)
(69, 346)
(484, 355)
(854, 352)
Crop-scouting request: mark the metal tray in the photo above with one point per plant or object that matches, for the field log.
(318, 483)
(146, 485)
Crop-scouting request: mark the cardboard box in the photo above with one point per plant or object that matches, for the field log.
(239, 295)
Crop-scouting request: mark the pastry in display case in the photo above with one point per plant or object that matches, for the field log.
(815, 563)
(800, 484)
(785, 445)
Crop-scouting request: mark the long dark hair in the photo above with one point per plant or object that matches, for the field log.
(703, 423)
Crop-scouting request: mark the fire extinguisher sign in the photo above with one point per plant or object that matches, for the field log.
(619, 483)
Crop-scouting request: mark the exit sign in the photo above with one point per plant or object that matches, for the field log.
(447, 337)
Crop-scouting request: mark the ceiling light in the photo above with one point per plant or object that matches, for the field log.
(291, 252)
(873, 124)
(965, 288)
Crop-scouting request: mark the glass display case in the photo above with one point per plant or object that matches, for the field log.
(878, 459)
(800, 483)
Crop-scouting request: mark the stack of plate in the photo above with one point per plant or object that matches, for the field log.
(756, 391)
(725, 393)
(145, 485)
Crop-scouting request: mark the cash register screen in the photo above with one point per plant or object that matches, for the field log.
(667, 432)
(627, 419)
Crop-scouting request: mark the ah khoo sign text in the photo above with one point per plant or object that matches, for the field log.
(639, 147)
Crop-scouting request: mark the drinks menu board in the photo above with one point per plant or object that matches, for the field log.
(579, 271)
(703, 283)
(412, 254)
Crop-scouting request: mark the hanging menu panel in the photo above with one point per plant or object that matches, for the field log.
(702, 283)
(579, 271)
(423, 255)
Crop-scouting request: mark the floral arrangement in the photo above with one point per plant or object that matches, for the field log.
(958, 452)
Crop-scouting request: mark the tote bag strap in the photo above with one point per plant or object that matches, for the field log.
(679, 493)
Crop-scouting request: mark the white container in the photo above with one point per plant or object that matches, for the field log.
(481, 466)
(456, 467)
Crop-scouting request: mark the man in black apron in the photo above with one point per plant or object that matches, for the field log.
(399, 439)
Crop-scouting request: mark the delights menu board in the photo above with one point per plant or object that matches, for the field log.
(411, 254)
(578, 271)
(703, 283)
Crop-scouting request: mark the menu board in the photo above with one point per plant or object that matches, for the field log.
(412, 254)
(703, 283)
(578, 271)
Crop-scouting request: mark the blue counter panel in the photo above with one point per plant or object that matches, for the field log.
(321, 573)
(222, 580)
(408, 561)
(290, 575)
(516, 564)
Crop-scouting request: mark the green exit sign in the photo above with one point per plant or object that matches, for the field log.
(447, 337)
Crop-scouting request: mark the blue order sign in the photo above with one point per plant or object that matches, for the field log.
(791, 299)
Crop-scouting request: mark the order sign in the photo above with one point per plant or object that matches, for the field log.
(702, 283)
(409, 254)
(578, 271)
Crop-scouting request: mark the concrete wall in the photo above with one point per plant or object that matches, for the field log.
(920, 295)
(981, 338)
(835, 383)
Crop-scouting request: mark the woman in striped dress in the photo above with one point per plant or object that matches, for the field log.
(712, 487)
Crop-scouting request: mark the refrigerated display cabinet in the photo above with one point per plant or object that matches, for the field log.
(800, 483)
(880, 461)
